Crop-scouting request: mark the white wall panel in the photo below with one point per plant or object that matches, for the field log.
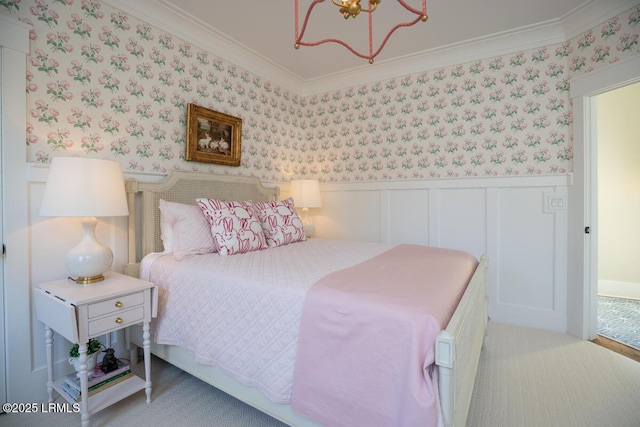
(329, 220)
(505, 218)
(461, 220)
(363, 216)
(502, 217)
(526, 288)
(408, 212)
(524, 232)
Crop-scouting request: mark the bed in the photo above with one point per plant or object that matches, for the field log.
(457, 347)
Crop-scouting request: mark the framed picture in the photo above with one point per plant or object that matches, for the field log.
(213, 137)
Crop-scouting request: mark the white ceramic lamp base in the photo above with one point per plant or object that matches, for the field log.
(90, 258)
(309, 229)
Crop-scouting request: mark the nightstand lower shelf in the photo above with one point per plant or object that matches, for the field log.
(106, 397)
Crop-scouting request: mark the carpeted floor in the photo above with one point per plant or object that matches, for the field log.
(619, 320)
(538, 378)
(526, 378)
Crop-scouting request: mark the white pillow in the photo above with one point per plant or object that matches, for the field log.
(166, 232)
(280, 222)
(190, 230)
(235, 226)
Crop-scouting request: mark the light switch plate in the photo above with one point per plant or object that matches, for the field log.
(555, 202)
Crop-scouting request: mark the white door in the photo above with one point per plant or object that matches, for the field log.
(16, 369)
(3, 376)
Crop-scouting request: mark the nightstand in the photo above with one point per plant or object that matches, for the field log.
(79, 312)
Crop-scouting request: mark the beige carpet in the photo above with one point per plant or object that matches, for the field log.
(530, 377)
(526, 377)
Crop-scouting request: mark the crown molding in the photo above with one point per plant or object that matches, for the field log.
(192, 30)
(593, 13)
(547, 33)
(459, 53)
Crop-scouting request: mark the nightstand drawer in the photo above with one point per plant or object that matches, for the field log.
(116, 321)
(115, 304)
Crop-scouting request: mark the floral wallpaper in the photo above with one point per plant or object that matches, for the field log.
(102, 83)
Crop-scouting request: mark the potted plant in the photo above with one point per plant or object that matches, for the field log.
(93, 349)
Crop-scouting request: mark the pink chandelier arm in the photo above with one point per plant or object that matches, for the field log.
(422, 16)
(420, 13)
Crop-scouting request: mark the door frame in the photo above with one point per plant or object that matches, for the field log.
(583, 195)
(16, 288)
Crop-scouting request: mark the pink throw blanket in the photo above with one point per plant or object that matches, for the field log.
(367, 338)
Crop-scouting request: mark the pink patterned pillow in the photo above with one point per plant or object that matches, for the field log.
(234, 226)
(189, 228)
(280, 222)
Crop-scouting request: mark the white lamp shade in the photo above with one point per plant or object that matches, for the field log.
(87, 188)
(305, 193)
(83, 187)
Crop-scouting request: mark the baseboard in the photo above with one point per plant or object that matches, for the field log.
(610, 288)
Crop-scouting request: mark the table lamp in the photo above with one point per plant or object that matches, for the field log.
(86, 188)
(306, 194)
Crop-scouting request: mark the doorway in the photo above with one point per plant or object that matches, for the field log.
(618, 200)
(618, 176)
(583, 198)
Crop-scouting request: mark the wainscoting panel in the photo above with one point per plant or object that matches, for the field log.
(330, 220)
(364, 225)
(409, 216)
(509, 219)
(462, 221)
(524, 233)
(506, 218)
(526, 287)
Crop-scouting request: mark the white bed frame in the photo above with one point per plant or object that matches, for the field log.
(457, 348)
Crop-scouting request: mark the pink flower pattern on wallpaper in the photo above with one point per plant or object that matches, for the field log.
(102, 83)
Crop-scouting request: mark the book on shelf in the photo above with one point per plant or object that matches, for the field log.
(97, 376)
(70, 391)
(97, 388)
(103, 383)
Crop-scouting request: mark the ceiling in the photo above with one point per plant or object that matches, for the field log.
(261, 33)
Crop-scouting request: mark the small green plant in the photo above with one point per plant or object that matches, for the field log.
(93, 346)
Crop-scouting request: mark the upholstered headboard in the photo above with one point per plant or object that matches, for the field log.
(180, 187)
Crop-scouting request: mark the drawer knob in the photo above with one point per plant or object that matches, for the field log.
(118, 319)
(118, 304)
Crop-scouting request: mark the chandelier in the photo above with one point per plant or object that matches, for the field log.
(351, 9)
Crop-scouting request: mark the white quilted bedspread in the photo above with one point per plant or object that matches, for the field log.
(242, 312)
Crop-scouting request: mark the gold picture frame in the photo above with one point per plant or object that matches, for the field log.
(213, 137)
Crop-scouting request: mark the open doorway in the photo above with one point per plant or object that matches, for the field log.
(583, 235)
(618, 204)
